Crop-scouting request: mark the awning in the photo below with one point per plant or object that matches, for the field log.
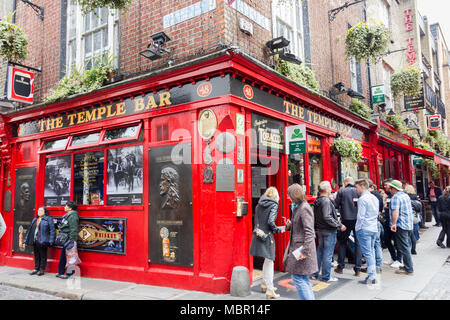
(442, 160)
(411, 149)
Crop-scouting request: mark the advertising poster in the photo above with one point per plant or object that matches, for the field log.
(170, 207)
(57, 181)
(24, 206)
(104, 235)
(125, 176)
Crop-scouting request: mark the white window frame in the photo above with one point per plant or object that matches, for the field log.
(286, 14)
(385, 14)
(112, 26)
(387, 87)
(353, 74)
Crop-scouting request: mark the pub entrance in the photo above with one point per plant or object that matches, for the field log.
(267, 172)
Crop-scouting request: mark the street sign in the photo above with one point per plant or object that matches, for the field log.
(378, 94)
(434, 122)
(296, 139)
(417, 161)
(20, 85)
(414, 103)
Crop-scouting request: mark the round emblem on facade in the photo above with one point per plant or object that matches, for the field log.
(204, 89)
(164, 232)
(225, 142)
(248, 92)
(207, 124)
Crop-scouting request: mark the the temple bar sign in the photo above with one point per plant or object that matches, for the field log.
(20, 85)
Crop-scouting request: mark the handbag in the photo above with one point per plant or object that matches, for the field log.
(61, 239)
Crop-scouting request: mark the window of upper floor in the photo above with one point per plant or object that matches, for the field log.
(90, 36)
(288, 22)
(385, 13)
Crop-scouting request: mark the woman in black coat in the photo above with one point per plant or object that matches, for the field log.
(263, 242)
(444, 210)
(41, 235)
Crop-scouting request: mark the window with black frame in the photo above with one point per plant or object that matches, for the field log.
(88, 178)
(315, 163)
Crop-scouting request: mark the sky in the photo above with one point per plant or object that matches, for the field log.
(437, 11)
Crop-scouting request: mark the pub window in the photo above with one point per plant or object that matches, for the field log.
(57, 180)
(296, 167)
(122, 134)
(315, 163)
(87, 139)
(363, 169)
(88, 171)
(54, 145)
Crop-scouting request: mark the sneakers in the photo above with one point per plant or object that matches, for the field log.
(332, 279)
(440, 244)
(334, 264)
(367, 281)
(403, 271)
(389, 262)
(33, 272)
(397, 264)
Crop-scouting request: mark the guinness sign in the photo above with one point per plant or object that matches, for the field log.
(20, 85)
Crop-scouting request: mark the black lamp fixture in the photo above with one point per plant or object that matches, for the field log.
(391, 112)
(159, 40)
(340, 86)
(279, 46)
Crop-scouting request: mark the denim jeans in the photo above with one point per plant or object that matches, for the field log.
(404, 247)
(434, 208)
(378, 249)
(367, 243)
(343, 242)
(416, 231)
(303, 286)
(388, 237)
(325, 249)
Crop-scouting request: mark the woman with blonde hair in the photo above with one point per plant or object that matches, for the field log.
(417, 214)
(263, 242)
(444, 210)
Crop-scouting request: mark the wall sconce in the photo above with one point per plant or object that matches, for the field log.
(391, 112)
(159, 40)
(278, 46)
(340, 86)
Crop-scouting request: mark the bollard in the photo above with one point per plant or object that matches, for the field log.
(240, 282)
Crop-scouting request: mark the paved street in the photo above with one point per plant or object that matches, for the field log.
(431, 281)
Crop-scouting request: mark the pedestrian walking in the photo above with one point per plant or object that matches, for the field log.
(388, 236)
(433, 193)
(2, 226)
(263, 242)
(70, 226)
(326, 225)
(346, 204)
(302, 258)
(402, 224)
(444, 210)
(417, 214)
(40, 235)
(366, 227)
(378, 247)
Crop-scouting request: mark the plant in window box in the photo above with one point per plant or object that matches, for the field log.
(347, 149)
(90, 5)
(397, 122)
(13, 41)
(407, 82)
(359, 107)
(367, 41)
(300, 74)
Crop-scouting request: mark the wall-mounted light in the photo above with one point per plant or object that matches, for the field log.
(279, 46)
(159, 40)
(340, 86)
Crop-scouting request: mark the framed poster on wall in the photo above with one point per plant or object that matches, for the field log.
(170, 205)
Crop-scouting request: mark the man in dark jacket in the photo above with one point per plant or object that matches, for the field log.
(346, 203)
(326, 224)
(433, 194)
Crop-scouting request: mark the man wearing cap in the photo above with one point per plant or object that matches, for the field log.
(402, 224)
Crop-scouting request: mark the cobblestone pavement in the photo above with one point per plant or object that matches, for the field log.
(11, 293)
(439, 287)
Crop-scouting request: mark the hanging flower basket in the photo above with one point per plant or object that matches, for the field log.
(361, 108)
(13, 41)
(300, 74)
(397, 122)
(367, 41)
(90, 5)
(347, 148)
(407, 82)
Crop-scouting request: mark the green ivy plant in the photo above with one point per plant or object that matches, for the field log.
(90, 5)
(347, 148)
(300, 74)
(367, 41)
(439, 142)
(13, 41)
(432, 166)
(359, 107)
(397, 122)
(407, 82)
(79, 81)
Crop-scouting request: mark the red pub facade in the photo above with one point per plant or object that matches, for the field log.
(167, 168)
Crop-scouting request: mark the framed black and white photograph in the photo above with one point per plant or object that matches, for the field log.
(125, 176)
(57, 181)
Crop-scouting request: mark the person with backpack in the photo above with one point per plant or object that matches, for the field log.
(444, 210)
(70, 226)
(417, 213)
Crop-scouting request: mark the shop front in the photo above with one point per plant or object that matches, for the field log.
(167, 169)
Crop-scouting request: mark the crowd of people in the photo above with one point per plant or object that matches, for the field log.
(358, 221)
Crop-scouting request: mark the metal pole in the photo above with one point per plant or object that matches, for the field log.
(369, 81)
